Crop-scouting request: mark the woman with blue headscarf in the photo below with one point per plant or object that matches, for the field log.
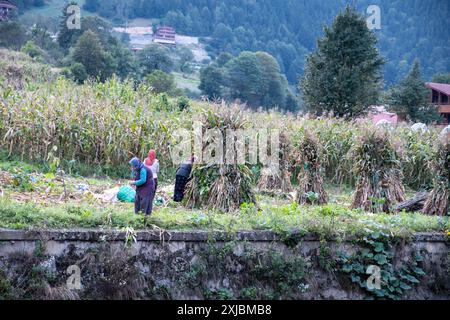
(145, 187)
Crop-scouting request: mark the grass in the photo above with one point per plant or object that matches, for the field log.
(40, 209)
(190, 82)
(333, 220)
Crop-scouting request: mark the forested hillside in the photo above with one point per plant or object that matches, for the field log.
(288, 29)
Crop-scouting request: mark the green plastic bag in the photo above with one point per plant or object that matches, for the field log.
(126, 194)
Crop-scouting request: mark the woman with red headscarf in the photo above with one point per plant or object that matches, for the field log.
(153, 163)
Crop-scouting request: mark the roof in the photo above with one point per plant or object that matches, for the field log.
(441, 87)
(7, 4)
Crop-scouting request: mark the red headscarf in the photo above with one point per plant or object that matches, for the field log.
(150, 158)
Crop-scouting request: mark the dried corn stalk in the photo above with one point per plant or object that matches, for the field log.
(379, 174)
(438, 202)
(223, 186)
(278, 178)
(311, 190)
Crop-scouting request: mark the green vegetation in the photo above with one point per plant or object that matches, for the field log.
(410, 99)
(37, 116)
(379, 174)
(439, 201)
(343, 76)
(224, 186)
(377, 257)
(269, 49)
(287, 30)
(331, 221)
(252, 77)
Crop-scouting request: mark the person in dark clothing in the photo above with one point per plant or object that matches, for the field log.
(145, 187)
(182, 178)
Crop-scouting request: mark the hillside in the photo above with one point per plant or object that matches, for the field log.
(17, 69)
(288, 29)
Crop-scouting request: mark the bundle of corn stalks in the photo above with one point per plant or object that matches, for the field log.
(220, 185)
(278, 178)
(310, 190)
(379, 173)
(438, 202)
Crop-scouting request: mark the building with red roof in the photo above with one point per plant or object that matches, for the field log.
(440, 96)
(6, 8)
(165, 35)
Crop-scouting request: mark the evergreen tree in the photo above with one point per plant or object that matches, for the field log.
(65, 35)
(343, 75)
(410, 98)
(211, 79)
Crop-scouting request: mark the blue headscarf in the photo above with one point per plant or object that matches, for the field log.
(137, 166)
(136, 163)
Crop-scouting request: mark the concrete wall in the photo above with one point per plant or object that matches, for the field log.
(199, 265)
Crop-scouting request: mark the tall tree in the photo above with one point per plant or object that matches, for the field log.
(12, 35)
(160, 82)
(343, 75)
(155, 57)
(211, 79)
(409, 99)
(244, 78)
(272, 84)
(90, 53)
(65, 35)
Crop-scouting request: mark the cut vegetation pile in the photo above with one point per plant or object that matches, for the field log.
(220, 186)
(438, 202)
(278, 178)
(311, 186)
(379, 173)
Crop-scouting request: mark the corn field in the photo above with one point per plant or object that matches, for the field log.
(107, 123)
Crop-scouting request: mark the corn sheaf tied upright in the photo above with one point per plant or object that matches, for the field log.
(417, 152)
(106, 123)
(378, 170)
(438, 202)
(273, 179)
(224, 187)
(311, 182)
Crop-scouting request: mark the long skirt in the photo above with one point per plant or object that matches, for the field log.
(144, 203)
(180, 185)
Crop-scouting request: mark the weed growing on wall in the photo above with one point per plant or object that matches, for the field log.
(389, 281)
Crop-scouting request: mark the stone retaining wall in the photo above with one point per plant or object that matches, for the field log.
(200, 265)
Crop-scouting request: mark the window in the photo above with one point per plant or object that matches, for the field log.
(435, 97)
(444, 99)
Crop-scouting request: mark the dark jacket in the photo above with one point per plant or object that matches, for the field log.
(148, 187)
(184, 169)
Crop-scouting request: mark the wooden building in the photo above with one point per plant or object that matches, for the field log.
(165, 35)
(440, 96)
(6, 9)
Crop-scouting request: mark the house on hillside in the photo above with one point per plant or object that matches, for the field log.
(440, 96)
(6, 9)
(165, 35)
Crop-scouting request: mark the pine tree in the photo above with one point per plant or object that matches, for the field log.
(65, 35)
(409, 99)
(343, 75)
